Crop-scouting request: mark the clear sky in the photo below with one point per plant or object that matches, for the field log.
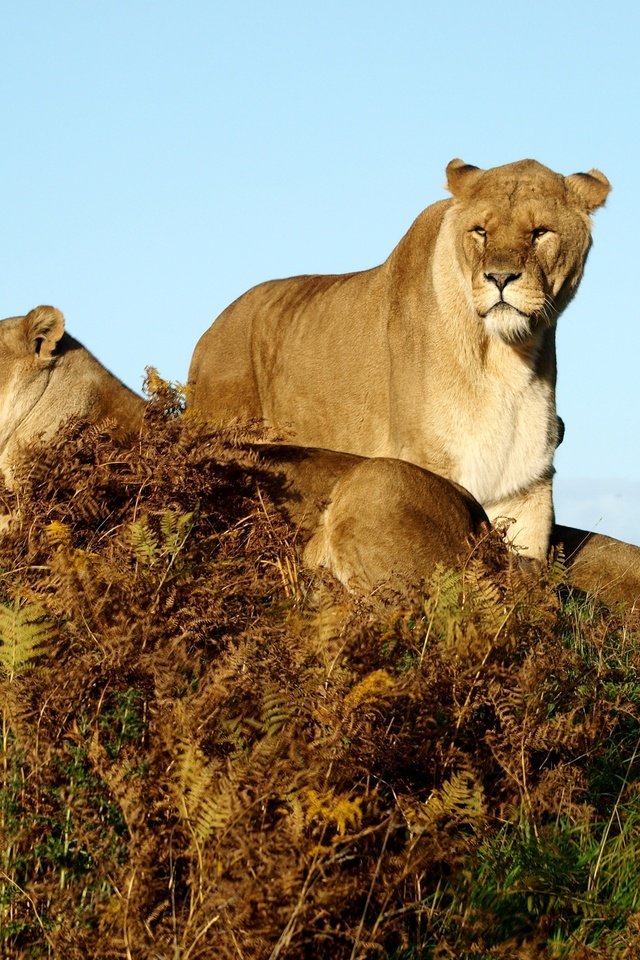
(159, 158)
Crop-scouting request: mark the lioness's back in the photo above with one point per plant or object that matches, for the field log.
(279, 331)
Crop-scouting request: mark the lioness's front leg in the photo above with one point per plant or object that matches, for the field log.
(532, 513)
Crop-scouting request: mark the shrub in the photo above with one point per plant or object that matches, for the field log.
(210, 752)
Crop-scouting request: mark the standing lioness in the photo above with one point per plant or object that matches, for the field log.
(444, 355)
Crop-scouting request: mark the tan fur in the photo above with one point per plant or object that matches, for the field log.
(607, 568)
(47, 377)
(384, 521)
(358, 518)
(371, 522)
(425, 358)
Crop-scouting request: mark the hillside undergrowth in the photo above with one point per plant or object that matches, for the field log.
(209, 752)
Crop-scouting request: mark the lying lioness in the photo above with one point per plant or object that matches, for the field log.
(371, 521)
(367, 521)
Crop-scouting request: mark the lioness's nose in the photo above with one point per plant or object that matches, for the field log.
(502, 279)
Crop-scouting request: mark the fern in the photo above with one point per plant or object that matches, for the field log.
(144, 542)
(327, 625)
(330, 808)
(206, 800)
(459, 801)
(24, 632)
(175, 528)
(375, 686)
(172, 396)
(149, 548)
(444, 593)
(58, 534)
(216, 812)
(275, 713)
(465, 610)
(556, 573)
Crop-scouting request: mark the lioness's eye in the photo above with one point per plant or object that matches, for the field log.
(480, 231)
(539, 232)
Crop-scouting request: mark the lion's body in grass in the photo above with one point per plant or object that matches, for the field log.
(443, 356)
(369, 522)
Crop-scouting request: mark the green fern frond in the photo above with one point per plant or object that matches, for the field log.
(232, 732)
(144, 542)
(148, 547)
(482, 597)
(443, 605)
(24, 632)
(444, 593)
(193, 774)
(206, 799)
(175, 528)
(216, 812)
(459, 801)
(557, 570)
(275, 713)
(465, 609)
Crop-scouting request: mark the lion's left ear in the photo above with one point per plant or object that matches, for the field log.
(43, 327)
(590, 189)
(461, 177)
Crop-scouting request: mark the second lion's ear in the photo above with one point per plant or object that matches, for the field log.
(43, 327)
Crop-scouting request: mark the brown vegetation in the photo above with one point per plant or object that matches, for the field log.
(208, 752)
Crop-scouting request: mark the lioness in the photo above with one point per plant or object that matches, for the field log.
(367, 521)
(371, 522)
(47, 377)
(443, 356)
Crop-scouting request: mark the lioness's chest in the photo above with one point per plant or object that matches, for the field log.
(506, 441)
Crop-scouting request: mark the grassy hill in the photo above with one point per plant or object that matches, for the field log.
(208, 752)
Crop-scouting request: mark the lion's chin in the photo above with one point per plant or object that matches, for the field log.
(509, 325)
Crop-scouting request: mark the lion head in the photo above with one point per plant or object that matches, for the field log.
(47, 377)
(523, 235)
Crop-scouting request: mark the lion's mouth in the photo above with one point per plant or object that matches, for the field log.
(510, 324)
(502, 307)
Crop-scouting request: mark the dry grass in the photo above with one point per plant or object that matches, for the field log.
(208, 752)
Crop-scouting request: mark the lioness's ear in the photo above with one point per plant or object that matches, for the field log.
(460, 177)
(43, 327)
(591, 189)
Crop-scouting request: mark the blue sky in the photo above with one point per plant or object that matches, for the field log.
(159, 158)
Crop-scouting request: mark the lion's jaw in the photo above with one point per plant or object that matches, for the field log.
(512, 295)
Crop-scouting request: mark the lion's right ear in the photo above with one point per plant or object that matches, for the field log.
(461, 177)
(589, 189)
(43, 327)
